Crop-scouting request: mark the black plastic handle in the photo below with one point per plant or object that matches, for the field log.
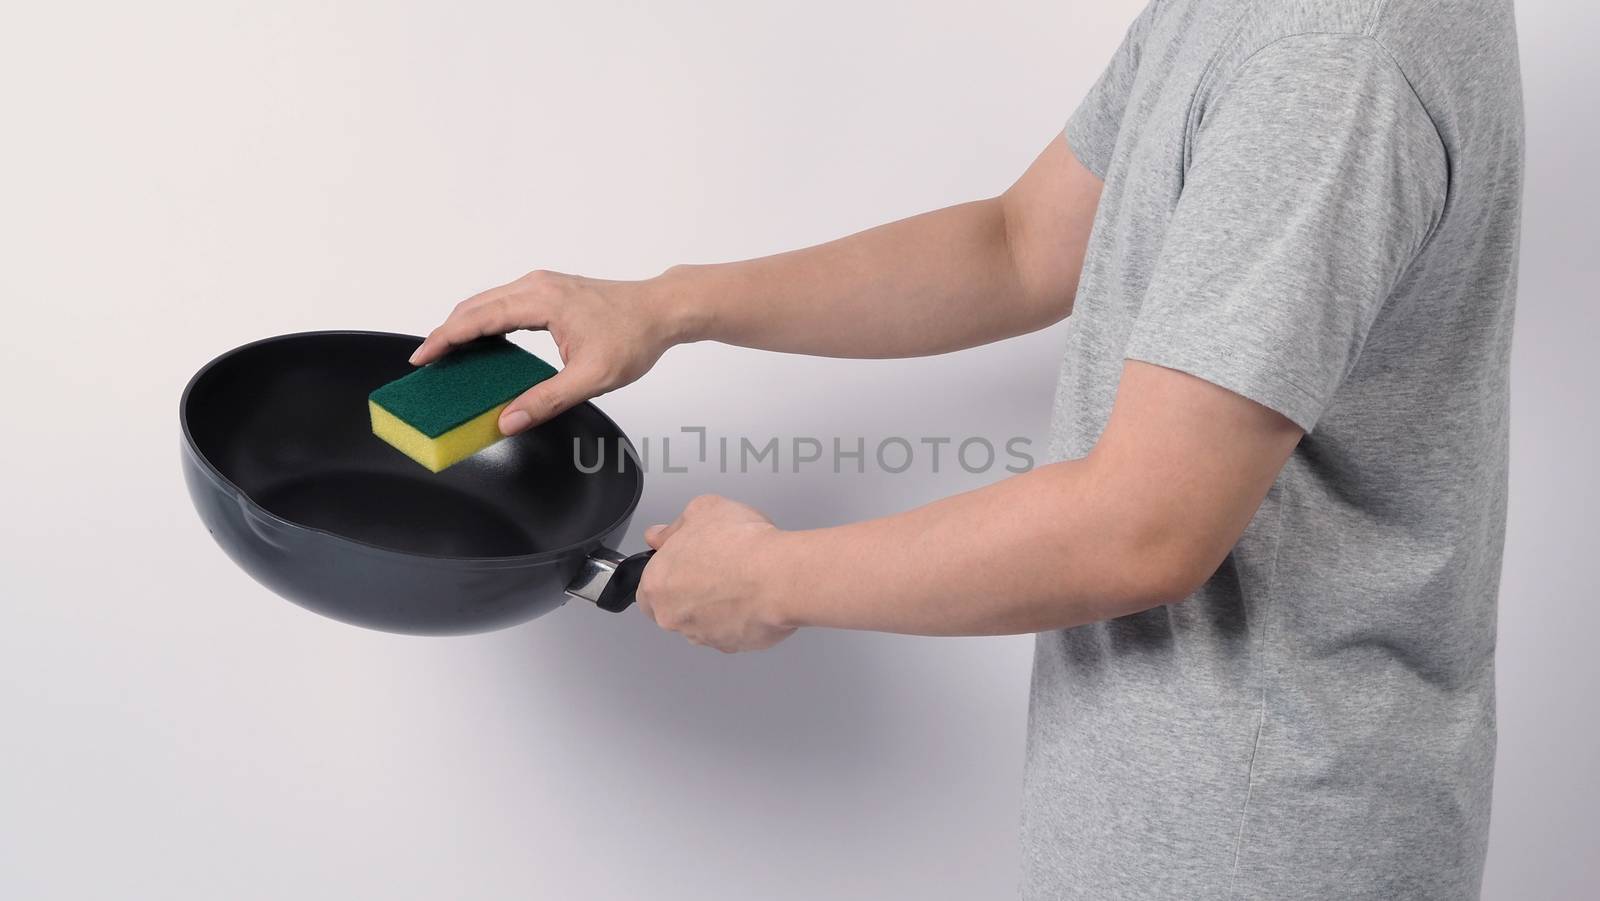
(618, 595)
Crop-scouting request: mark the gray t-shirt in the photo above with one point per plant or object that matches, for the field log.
(1314, 204)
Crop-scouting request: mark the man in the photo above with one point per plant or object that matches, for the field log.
(1263, 571)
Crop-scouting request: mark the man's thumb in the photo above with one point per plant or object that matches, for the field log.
(544, 401)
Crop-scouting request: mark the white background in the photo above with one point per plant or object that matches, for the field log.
(178, 179)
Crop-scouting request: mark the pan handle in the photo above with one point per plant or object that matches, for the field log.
(609, 579)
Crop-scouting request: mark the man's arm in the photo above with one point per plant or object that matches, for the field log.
(1143, 520)
(952, 278)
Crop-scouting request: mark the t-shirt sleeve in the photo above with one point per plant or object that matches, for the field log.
(1315, 176)
(1093, 127)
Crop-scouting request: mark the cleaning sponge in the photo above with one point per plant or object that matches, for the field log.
(450, 409)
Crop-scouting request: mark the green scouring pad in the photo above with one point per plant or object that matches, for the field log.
(450, 409)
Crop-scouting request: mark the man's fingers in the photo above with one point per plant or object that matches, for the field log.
(657, 535)
(547, 400)
(486, 314)
(495, 317)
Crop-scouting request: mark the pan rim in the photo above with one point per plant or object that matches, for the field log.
(254, 508)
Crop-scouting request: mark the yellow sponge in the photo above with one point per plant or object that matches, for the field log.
(452, 447)
(450, 409)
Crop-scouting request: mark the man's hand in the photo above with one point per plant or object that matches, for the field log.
(608, 333)
(705, 580)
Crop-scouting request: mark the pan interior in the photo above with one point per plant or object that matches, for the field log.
(400, 513)
(286, 422)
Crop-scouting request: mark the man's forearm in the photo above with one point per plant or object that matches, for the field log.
(1049, 549)
(1143, 520)
(937, 282)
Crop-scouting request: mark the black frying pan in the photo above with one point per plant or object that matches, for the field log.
(285, 472)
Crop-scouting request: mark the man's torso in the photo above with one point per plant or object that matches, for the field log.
(1318, 720)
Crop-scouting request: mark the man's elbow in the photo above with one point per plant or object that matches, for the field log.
(1158, 569)
(1046, 276)
(1179, 573)
(1135, 541)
